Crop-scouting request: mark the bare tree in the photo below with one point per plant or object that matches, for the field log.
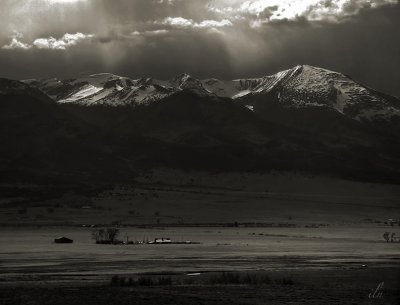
(101, 235)
(112, 234)
(95, 235)
(386, 236)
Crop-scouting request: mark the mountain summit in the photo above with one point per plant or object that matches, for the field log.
(303, 86)
(305, 119)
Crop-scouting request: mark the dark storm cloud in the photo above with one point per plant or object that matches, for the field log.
(160, 38)
(364, 47)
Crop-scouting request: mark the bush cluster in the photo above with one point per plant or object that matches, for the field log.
(141, 281)
(237, 278)
(225, 278)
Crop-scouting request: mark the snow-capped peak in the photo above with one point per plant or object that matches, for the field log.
(299, 87)
(308, 86)
(186, 82)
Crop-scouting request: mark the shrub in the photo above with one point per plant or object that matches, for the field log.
(22, 211)
(141, 281)
(115, 280)
(285, 281)
(164, 281)
(254, 279)
(226, 278)
(145, 281)
(122, 281)
(237, 278)
(265, 279)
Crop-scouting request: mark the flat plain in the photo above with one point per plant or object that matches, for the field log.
(330, 240)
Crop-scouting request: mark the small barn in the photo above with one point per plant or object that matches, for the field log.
(63, 240)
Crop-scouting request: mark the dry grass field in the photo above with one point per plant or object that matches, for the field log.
(326, 238)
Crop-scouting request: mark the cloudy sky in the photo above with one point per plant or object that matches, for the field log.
(220, 38)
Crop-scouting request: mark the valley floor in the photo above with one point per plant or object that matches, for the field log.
(312, 287)
(319, 241)
(326, 265)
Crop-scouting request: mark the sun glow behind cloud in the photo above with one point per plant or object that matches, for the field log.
(64, 1)
(225, 38)
(311, 10)
(51, 43)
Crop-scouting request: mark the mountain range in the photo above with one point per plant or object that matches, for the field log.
(107, 127)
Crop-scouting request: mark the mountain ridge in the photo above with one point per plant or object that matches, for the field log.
(301, 86)
(294, 120)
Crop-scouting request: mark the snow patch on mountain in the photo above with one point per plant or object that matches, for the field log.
(222, 88)
(241, 94)
(306, 86)
(300, 87)
(86, 91)
(378, 114)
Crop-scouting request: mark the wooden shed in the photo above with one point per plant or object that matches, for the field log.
(63, 240)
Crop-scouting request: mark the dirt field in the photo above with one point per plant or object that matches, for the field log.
(325, 235)
(315, 287)
(30, 254)
(185, 198)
